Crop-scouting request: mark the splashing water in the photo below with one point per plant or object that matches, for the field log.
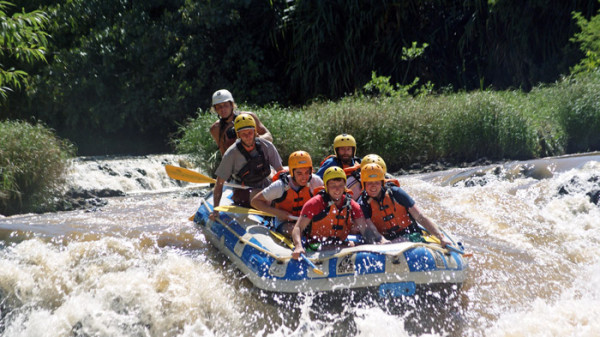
(138, 267)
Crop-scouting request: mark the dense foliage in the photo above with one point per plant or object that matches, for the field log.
(589, 40)
(33, 165)
(122, 75)
(22, 41)
(549, 120)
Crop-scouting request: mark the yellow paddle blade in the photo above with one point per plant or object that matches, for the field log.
(180, 173)
(431, 239)
(241, 210)
(283, 239)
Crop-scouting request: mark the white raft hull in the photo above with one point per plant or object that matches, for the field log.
(394, 269)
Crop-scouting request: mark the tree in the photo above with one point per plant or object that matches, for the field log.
(22, 40)
(589, 42)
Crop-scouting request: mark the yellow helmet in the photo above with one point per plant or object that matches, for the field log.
(373, 159)
(344, 140)
(371, 172)
(333, 172)
(299, 159)
(244, 121)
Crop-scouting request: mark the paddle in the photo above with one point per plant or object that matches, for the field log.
(241, 210)
(459, 251)
(432, 239)
(180, 173)
(291, 245)
(244, 210)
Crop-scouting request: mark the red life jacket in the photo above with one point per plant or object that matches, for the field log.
(292, 201)
(331, 224)
(388, 215)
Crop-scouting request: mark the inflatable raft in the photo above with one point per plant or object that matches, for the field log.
(393, 270)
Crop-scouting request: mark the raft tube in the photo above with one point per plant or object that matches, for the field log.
(395, 269)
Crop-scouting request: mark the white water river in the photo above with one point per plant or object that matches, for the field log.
(138, 267)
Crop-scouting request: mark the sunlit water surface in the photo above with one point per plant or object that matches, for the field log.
(138, 267)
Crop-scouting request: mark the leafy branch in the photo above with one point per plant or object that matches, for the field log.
(22, 40)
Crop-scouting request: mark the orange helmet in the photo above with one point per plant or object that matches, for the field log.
(373, 159)
(299, 159)
(371, 172)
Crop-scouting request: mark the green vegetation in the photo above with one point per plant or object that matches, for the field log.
(589, 41)
(549, 120)
(22, 40)
(121, 77)
(141, 68)
(33, 163)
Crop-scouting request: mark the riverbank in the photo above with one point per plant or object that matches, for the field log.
(431, 128)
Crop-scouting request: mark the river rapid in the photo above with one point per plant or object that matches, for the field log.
(134, 265)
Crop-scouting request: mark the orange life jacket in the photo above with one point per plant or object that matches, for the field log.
(347, 168)
(392, 182)
(292, 201)
(331, 224)
(388, 215)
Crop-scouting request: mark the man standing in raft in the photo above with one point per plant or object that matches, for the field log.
(222, 131)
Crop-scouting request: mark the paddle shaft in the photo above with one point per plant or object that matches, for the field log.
(302, 256)
(311, 264)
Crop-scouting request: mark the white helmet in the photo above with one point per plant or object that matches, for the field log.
(221, 96)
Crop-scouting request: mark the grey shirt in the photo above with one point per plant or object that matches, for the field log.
(233, 161)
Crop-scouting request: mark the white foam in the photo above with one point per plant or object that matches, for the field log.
(130, 175)
(111, 287)
(575, 313)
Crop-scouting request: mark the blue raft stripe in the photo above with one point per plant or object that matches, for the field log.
(397, 289)
(459, 263)
(296, 270)
(369, 263)
(420, 259)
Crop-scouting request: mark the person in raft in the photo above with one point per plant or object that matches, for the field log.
(223, 131)
(328, 217)
(393, 212)
(248, 162)
(344, 147)
(290, 190)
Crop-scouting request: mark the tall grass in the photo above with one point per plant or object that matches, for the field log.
(33, 164)
(579, 112)
(550, 120)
